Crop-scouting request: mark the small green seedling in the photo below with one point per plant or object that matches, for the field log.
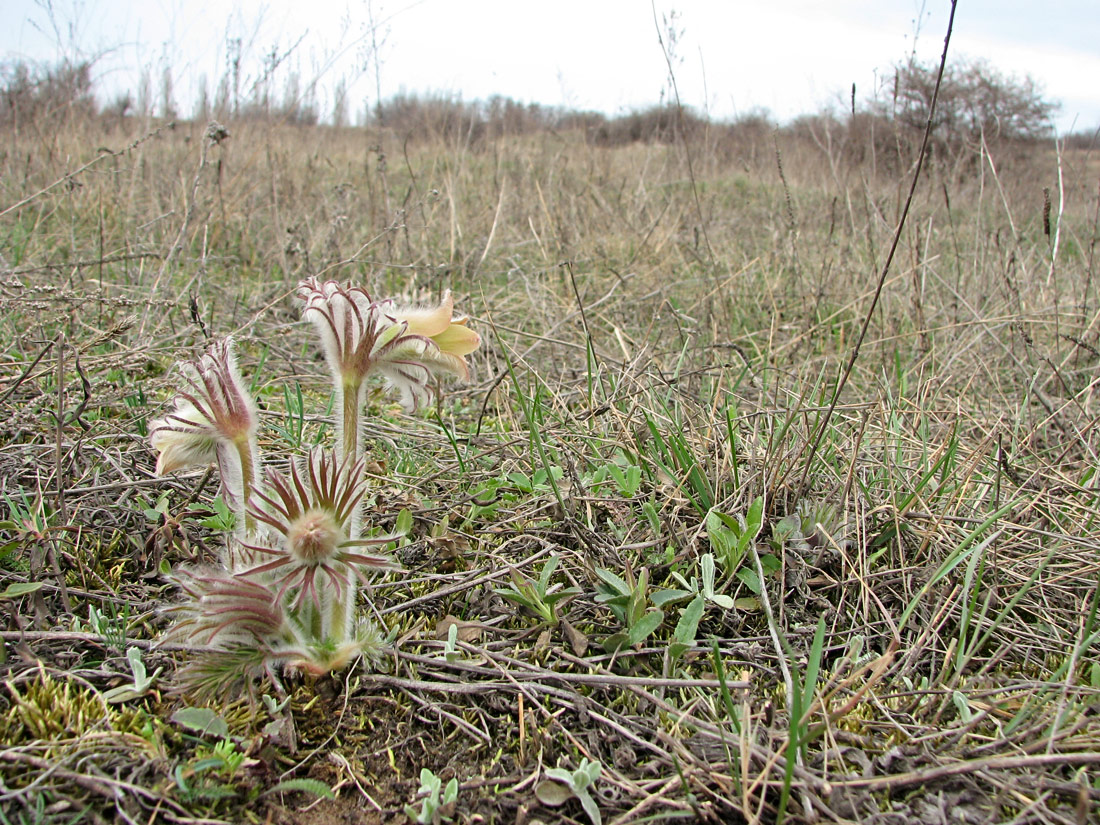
(112, 627)
(730, 537)
(540, 482)
(626, 475)
(438, 804)
(550, 792)
(209, 776)
(629, 599)
(538, 596)
(142, 684)
(281, 718)
(706, 565)
(159, 512)
(293, 426)
(274, 708)
(225, 757)
(450, 648)
(221, 517)
(683, 637)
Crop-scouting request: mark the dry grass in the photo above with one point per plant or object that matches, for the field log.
(690, 326)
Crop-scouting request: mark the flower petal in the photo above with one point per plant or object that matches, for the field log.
(428, 321)
(457, 339)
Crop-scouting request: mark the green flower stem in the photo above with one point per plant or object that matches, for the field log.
(349, 436)
(248, 451)
(349, 433)
(343, 624)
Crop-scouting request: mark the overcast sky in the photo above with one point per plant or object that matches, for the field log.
(730, 57)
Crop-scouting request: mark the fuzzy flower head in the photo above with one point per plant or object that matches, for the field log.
(214, 420)
(223, 610)
(408, 347)
(310, 514)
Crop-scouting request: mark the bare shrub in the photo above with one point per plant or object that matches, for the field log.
(30, 93)
(976, 103)
(975, 99)
(450, 118)
(657, 124)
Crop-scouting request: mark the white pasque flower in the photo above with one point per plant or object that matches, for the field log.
(408, 346)
(214, 420)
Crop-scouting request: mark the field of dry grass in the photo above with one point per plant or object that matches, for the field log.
(883, 615)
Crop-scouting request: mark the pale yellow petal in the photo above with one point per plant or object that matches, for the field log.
(457, 339)
(428, 321)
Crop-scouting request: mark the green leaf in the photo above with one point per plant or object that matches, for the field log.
(723, 601)
(521, 481)
(590, 807)
(17, 589)
(181, 781)
(565, 593)
(962, 705)
(137, 667)
(683, 637)
(313, 786)
(450, 793)
(222, 518)
(638, 599)
(561, 775)
(615, 642)
(518, 597)
(754, 520)
(553, 793)
(719, 599)
(613, 581)
(750, 579)
(429, 781)
(707, 565)
(787, 527)
(771, 564)
(633, 479)
(404, 522)
(203, 720)
(645, 625)
(122, 693)
(547, 572)
(813, 665)
(722, 539)
(662, 597)
(210, 763)
(688, 625)
(589, 771)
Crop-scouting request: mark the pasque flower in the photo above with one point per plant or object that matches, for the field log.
(214, 420)
(311, 519)
(248, 631)
(224, 609)
(361, 336)
(452, 338)
(285, 596)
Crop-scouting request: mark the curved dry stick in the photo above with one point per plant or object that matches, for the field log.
(820, 430)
